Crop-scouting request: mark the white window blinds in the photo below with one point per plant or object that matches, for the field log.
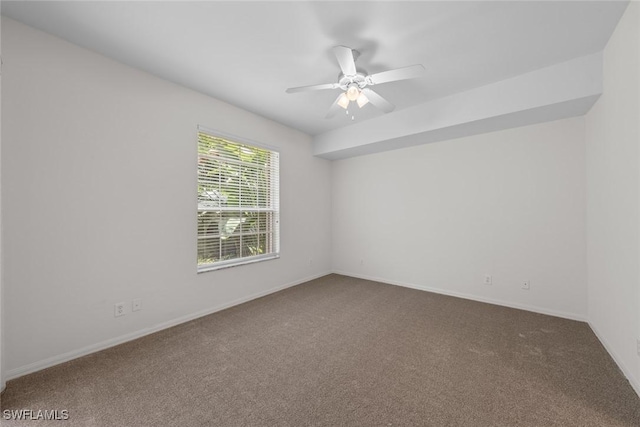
(238, 202)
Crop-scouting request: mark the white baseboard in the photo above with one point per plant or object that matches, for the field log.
(624, 368)
(541, 310)
(65, 357)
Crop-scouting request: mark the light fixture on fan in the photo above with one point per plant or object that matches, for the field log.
(353, 93)
(362, 100)
(343, 101)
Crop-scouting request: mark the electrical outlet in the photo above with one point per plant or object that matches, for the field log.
(310, 261)
(638, 345)
(488, 279)
(119, 309)
(526, 285)
(136, 305)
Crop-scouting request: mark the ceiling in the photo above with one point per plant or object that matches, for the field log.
(248, 53)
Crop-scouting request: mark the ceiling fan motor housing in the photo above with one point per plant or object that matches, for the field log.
(359, 78)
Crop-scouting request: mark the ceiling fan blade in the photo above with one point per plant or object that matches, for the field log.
(378, 101)
(333, 110)
(344, 55)
(397, 74)
(313, 87)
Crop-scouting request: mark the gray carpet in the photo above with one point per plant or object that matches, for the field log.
(339, 351)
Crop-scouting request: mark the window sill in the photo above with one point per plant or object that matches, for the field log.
(236, 263)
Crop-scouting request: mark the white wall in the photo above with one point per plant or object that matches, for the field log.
(440, 216)
(2, 380)
(613, 214)
(98, 196)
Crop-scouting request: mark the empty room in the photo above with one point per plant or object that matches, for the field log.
(297, 213)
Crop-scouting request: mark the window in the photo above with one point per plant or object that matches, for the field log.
(238, 202)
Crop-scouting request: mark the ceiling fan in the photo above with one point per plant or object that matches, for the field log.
(355, 84)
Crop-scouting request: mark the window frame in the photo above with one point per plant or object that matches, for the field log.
(275, 180)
